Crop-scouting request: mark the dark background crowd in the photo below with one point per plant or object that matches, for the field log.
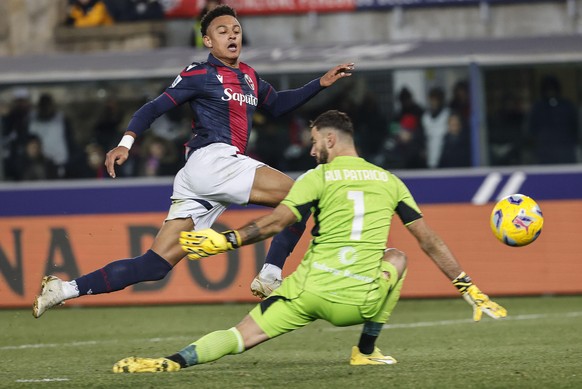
(44, 137)
(40, 140)
(93, 13)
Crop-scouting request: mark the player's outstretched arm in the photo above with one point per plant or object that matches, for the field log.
(268, 225)
(207, 242)
(141, 121)
(282, 102)
(442, 256)
(119, 155)
(335, 73)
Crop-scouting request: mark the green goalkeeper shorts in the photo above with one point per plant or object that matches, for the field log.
(278, 314)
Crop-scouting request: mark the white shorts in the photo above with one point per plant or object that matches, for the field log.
(214, 177)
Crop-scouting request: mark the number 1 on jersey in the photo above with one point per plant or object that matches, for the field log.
(357, 197)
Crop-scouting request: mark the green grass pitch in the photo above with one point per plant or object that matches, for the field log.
(435, 342)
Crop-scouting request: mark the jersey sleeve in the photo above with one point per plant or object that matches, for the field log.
(305, 193)
(279, 103)
(150, 111)
(267, 94)
(188, 85)
(406, 206)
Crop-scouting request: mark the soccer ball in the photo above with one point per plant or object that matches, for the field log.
(517, 220)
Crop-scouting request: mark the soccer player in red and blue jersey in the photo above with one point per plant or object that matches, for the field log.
(223, 93)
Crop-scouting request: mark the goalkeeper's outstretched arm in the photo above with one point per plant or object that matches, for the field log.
(204, 243)
(267, 226)
(435, 248)
(442, 256)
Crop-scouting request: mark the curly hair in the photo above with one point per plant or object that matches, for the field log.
(221, 10)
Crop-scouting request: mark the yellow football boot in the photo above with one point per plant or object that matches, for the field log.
(145, 365)
(376, 358)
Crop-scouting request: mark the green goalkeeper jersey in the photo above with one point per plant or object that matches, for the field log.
(353, 202)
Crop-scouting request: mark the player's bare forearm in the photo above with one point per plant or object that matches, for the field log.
(207, 242)
(251, 233)
(442, 256)
(438, 251)
(435, 248)
(267, 226)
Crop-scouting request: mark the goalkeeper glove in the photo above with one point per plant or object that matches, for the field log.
(479, 300)
(204, 243)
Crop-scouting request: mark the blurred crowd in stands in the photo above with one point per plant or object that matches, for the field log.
(94, 13)
(39, 141)
(437, 136)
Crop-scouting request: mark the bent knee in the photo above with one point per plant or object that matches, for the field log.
(396, 258)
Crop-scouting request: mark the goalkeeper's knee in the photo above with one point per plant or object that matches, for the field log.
(396, 258)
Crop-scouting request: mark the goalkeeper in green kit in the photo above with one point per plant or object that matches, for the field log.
(347, 276)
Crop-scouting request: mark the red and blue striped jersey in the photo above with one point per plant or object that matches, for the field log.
(223, 101)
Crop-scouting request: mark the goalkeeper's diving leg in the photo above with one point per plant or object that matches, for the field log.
(208, 348)
(248, 333)
(366, 352)
(153, 265)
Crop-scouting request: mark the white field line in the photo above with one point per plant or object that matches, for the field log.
(351, 328)
(90, 343)
(44, 380)
(462, 321)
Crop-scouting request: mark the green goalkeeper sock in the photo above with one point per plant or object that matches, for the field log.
(210, 347)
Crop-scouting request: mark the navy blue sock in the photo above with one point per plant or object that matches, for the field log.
(119, 274)
(285, 241)
(370, 333)
(179, 360)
